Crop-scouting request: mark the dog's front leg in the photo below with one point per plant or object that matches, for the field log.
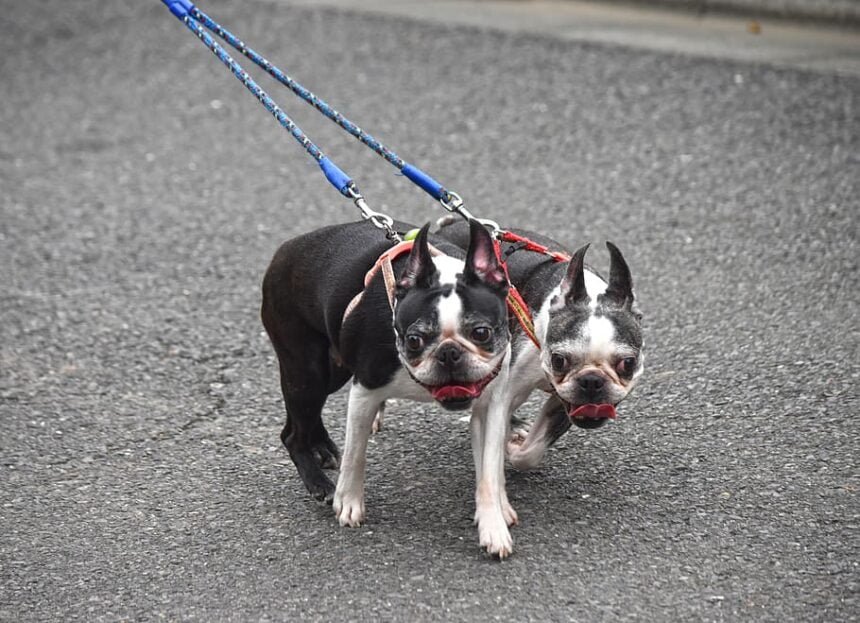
(479, 417)
(348, 501)
(490, 495)
(551, 423)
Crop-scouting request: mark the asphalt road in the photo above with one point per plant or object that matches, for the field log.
(143, 193)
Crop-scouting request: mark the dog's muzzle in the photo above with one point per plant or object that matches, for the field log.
(591, 416)
(458, 395)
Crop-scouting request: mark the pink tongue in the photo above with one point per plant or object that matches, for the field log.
(447, 392)
(594, 412)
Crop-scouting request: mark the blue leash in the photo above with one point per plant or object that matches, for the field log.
(338, 178)
(189, 14)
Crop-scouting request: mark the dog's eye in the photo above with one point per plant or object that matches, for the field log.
(414, 341)
(559, 363)
(626, 366)
(481, 334)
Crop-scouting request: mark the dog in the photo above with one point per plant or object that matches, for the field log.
(435, 328)
(590, 335)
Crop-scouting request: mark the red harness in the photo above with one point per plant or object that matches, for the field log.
(383, 263)
(530, 245)
(516, 305)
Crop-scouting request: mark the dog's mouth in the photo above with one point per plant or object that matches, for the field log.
(592, 412)
(591, 415)
(457, 395)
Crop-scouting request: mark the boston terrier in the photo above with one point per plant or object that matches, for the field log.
(433, 328)
(590, 336)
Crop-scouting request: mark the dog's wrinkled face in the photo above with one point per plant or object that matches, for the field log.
(593, 348)
(450, 319)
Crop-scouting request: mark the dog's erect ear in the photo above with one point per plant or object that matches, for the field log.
(573, 285)
(620, 289)
(482, 263)
(420, 268)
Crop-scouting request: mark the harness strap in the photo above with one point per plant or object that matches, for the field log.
(530, 245)
(516, 304)
(384, 263)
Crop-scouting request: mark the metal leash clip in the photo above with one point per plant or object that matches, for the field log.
(454, 203)
(379, 220)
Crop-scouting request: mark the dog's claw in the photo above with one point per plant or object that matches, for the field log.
(349, 512)
(499, 544)
(510, 514)
(377, 420)
(493, 534)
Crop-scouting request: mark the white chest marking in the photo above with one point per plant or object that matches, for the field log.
(402, 386)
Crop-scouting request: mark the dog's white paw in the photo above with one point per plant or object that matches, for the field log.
(519, 434)
(515, 442)
(523, 457)
(493, 534)
(348, 510)
(377, 421)
(509, 513)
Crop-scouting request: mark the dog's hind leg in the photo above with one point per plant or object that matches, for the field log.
(305, 384)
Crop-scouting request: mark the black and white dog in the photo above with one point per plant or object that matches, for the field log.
(590, 336)
(446, 338)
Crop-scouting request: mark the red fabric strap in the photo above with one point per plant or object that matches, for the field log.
(384, 263)
(531, 245)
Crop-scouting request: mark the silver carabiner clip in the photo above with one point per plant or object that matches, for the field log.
(378, 219)
(453, 202)
(457, 205)
(493, 226)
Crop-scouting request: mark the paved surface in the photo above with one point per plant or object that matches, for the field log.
(839, 12)
(640, 26)
(143, 193)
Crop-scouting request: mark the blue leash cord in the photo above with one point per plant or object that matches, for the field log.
(338, 178)
(451, 201)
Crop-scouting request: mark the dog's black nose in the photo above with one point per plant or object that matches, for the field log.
(449, 354)
(591, 383)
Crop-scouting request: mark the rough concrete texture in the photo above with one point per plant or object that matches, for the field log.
(143, 193)
(837, 12)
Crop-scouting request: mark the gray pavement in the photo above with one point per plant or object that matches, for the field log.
(844, 13)
(143, 193)
(795, 44)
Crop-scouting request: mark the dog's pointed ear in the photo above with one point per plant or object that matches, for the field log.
(420, 268)
(573, 285)
(482, 261)
(620, 289)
